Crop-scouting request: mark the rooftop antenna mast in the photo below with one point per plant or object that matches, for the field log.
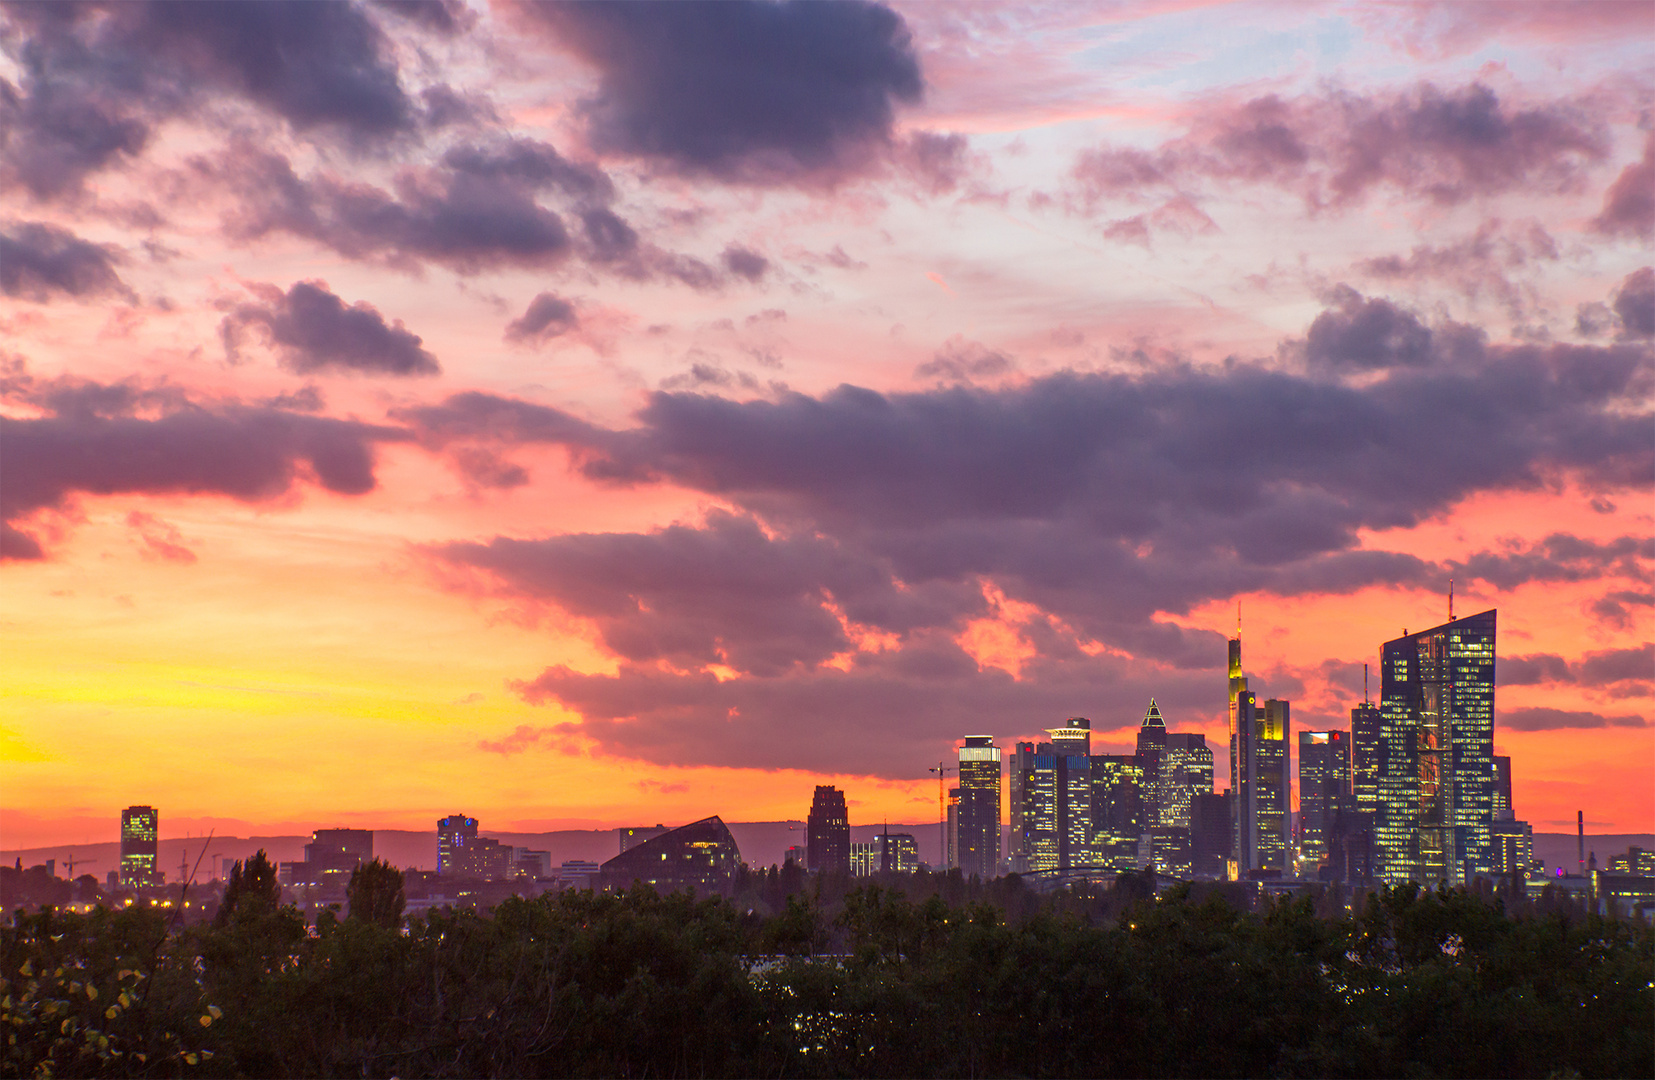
(1450, 599)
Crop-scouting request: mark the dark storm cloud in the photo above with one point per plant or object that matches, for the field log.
(724, 593)
(314, 330)
(1546, 719)
(116, 439)
(744, 262)
(1102, 499)
(478, 209)
(1630, 669)
(38, 261)
(546, 317)
(1362, 334)
(1334, 147)
(98, 77)
(743, 90)
(473, 213)
(1562, 557)
(1629, 204)
(1635, 303)
(884, 716)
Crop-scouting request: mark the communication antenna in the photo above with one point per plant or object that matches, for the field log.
(1450, 599)
(1365, 699)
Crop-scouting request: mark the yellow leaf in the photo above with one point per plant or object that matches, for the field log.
(206, 1021)
(111, 1013)
(216, 1011)
(91, 992)
(123, 973)
(190, 1058)
(26, 969)
(126, 1002)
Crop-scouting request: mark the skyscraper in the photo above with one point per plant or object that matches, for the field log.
(1118, 810)
(1186, 771)
(1071, 745)
(455, 833)
(1324, 780)
(1259, 776)
(1437, 779)
(1034, 803)
(977, 844)
(1366, 752)
(140, 832)
(1152, 744)
(1503, 810)
(827, 832)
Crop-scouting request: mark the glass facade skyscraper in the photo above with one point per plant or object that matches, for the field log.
(1034, 805)
(1324, 781)
(977, 827)
(1365, 753)
(140, 839)
(1260, 763)
(1437, 773)
(1118, 816)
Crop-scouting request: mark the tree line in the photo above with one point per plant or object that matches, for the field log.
(929, 976)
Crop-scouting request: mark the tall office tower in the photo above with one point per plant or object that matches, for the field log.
(1072, 746)
(1503, 810)
(1210, 829)
(1152, 744)
(1436, 783)
(455, 833)
(978, 844)
(1186, 770)
(1259, 775)
(827, 831)
(1367, 750)
(951, 832)
(1034, 822)
(1324, 780)
(1119, 820)
(140, 832)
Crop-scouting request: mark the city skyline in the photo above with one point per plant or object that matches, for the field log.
(516, 409)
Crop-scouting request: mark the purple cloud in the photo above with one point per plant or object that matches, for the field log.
(314, 331)
(744, 90)
(1335, 147)
(39, 261)
(112, 439)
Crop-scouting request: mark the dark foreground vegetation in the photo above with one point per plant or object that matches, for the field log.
(872, 983)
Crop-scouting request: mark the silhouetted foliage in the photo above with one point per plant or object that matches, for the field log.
(253, 890)
(375, 894)
(878, 978)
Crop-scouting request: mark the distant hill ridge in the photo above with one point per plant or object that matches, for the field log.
(762, 843)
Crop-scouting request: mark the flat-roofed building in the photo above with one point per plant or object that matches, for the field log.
(140, 842)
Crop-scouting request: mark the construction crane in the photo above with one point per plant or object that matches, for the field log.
(942, 769)
(71, 862)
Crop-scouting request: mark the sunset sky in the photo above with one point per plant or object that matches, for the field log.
(582, 416)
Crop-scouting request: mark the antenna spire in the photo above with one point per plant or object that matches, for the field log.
(1365, 699)
(1450, 599)
(1238, 620)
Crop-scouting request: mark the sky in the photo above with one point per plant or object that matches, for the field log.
(587, 415)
